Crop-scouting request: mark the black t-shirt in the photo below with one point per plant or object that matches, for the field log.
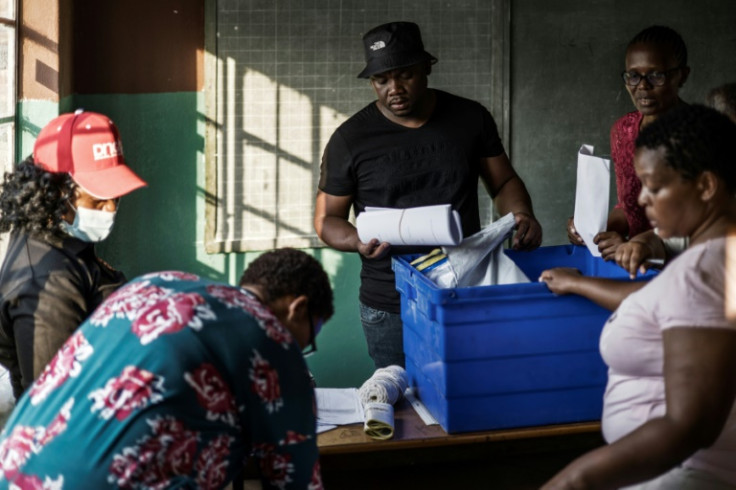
(381, 163)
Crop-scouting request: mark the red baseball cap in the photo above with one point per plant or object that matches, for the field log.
(87, 146)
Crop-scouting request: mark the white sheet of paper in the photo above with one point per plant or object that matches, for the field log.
(324, 427)
(479, 260)
(338, 406)
(424, 225)
(591, 196)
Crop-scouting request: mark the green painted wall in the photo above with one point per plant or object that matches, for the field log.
(31, 117)
(162, 226)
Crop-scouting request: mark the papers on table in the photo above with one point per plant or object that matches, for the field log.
(591, 196)
(342, 406)
(425, 225)
(338, 406)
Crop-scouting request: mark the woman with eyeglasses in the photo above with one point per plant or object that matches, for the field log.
(656, 69)
(648, 249)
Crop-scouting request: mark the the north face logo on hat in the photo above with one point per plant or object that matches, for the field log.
(393, 45)
(378, 45)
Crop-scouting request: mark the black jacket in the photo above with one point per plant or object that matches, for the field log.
(47, 289)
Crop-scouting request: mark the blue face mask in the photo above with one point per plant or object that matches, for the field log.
(90, 225)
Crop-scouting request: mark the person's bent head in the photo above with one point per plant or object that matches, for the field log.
(656, 69)
(723, 99)
(695, 139)
(685, 161)
(295, 286)
(72, 182)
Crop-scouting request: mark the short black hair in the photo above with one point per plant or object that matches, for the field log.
(696, 138)
(286, 271)
(33, 200)
(663, 36)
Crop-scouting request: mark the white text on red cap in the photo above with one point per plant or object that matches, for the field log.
(107, 150)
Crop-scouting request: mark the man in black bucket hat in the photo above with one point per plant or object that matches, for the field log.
(413, 146)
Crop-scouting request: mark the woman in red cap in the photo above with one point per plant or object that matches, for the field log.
(56, 205)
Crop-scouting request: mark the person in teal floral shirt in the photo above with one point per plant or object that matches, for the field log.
(175, 381)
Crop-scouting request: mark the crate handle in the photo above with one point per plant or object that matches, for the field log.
(411, 291)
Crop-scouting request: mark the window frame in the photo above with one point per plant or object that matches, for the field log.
(10, 119)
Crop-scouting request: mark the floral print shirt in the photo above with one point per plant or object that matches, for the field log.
(173, 382)
(628, 185)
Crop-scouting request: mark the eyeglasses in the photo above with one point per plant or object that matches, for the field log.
(313, 331)
(655, 78)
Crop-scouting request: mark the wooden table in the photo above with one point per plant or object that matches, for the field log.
(424, 456)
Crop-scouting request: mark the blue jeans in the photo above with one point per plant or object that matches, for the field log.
(384, 334)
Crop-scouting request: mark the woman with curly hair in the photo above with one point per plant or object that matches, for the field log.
(55, 205)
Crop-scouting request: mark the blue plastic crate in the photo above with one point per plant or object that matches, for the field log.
(507, 410)
(519, 372)
(506, 356)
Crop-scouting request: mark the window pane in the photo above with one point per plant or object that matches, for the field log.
(7, 9)
(7, 71)
(7, 150)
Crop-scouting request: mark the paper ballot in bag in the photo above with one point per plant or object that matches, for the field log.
(478, 261)
(425, 225)
(591, 196)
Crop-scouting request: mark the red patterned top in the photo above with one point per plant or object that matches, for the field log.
(628, 186)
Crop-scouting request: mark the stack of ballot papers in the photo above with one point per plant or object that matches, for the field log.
(425, 225)
(342, 406)
(338, 406)
(478, 261)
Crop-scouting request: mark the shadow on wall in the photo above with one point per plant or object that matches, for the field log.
(157, 226)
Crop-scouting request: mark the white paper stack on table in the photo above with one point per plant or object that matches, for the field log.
(591, 196)
(338, 406)
(343, 406)
(424, 225)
